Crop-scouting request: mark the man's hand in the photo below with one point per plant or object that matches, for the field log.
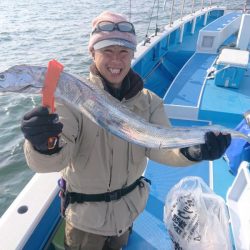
(214, 147)
(38, 126)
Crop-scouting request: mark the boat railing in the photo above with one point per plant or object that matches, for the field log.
(189, 7)
(247, 6)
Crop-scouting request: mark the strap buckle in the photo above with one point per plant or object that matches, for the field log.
(114, 195)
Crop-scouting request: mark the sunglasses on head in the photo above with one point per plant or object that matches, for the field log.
(110, 26)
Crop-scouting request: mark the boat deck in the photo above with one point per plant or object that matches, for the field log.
(187, 86)
(149, 231)
(227, 103)
(191, 89)
(221, 22)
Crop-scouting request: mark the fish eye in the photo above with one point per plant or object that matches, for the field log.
(2, 77)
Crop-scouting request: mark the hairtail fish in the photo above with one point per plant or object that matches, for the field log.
(107, 112)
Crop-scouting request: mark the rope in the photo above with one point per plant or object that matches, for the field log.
(157, 15)
(151, 16)
(130, 10)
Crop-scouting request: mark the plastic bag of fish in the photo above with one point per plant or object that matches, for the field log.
(196, 218)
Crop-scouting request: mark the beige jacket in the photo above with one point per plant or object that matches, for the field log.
(94, 161)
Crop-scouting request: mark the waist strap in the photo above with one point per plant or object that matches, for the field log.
(73, 197)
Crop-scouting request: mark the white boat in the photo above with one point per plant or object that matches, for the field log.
(199, 65)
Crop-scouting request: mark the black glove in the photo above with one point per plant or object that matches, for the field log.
(213, 148)
(38, 126)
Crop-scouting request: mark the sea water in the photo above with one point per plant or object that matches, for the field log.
(34, 32)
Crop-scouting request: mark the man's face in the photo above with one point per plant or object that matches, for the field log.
(113, 62)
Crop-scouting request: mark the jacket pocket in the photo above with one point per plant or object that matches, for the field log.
(87, 214)
(130, 206)
(137, 199)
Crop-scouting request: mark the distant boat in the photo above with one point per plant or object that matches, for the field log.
(199, 65)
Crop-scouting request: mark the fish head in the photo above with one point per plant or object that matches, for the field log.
(22, 79)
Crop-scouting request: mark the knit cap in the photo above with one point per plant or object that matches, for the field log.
(103, 39)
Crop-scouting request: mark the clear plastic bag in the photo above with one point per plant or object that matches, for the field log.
(196, 218)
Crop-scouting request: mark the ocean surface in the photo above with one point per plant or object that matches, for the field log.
(34, 32)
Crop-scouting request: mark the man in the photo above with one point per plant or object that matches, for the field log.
(105, 190)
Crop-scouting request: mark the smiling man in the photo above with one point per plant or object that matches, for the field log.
(112, 44)
(113, 63)
(105, 189)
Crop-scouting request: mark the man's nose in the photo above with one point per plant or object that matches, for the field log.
(115, 57)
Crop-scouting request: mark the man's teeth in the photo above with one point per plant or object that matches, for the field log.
(114, 71)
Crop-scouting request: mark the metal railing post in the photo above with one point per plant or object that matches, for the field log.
(202, 4)
(171, 13)
(182, 8)
(192, 9)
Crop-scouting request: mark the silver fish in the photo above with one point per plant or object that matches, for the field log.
(106, 111)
